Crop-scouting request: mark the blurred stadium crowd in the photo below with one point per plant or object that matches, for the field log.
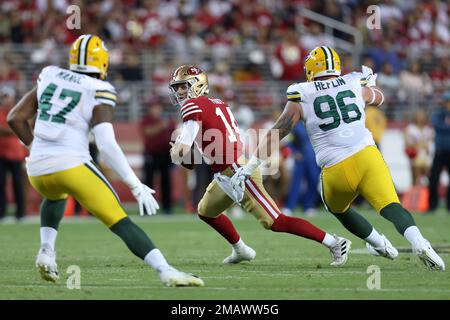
(251, 49)
(244, 45)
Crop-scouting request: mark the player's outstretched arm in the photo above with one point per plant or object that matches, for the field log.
(373, 96)
(105, 140)
(288, 119)
(292, 113)
(18, 117)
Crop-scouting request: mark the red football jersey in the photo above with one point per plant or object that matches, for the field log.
(218, 137)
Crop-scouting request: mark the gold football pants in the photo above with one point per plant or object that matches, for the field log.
(364, 173)
(256, 199)
(88, 186)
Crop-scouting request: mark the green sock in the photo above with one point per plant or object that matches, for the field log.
(399, 216)
(355, 223)
(134, 237)
(52, 212)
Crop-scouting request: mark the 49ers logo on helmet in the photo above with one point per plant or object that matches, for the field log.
(193, 71)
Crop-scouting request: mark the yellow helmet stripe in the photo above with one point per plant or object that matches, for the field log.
(82, 51)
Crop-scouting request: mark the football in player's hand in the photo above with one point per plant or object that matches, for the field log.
(188, 166)
(190, 156)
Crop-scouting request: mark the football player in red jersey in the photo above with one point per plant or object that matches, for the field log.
(209, 123)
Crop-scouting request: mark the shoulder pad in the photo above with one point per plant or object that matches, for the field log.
(45, 71)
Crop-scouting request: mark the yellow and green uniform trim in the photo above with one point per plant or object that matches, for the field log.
(105, 94)
(294, 96)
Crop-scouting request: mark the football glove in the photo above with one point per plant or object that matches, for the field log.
(369, 76)
(235, 192)
(145, 199)
(237, 181)
(241, 174)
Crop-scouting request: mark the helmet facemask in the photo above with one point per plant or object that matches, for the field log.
(194, 78)
(173, 96)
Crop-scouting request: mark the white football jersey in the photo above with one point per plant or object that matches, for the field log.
(61, 134)
(333, 112)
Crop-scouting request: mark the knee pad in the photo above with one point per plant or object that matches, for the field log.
(202, 214)
(199, 208)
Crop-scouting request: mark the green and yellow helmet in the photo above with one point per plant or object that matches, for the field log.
(322, 61)
(88, 54)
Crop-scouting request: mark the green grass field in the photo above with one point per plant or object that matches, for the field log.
(286, 267)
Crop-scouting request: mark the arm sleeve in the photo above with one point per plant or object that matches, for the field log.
(189, 132)
(113, 155)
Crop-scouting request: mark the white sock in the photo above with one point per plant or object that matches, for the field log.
(412, 234)
(328, 240)
(156, 260)
(48, 237)
(238, 244)
(375, 239)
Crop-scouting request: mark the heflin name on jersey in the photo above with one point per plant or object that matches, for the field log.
(321, 85)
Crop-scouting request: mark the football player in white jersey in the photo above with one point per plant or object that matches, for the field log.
(332, 108)
(68, 105)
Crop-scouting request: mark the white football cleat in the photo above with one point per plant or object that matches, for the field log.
(171, 277)
(339, 251)
(46, 264)
(426, 253)
(387, 250)
(244, 253)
